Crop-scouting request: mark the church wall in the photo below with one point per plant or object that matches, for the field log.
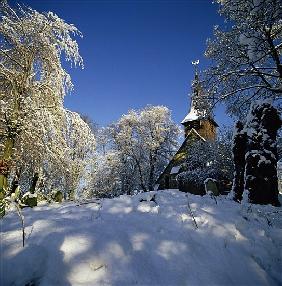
(207, 130)
(168, 180)
(204, 127)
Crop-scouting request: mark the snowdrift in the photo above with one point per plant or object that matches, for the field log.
(131, 240)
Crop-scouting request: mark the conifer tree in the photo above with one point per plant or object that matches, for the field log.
(261, 154)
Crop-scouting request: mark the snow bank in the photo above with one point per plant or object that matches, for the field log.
(131, 240)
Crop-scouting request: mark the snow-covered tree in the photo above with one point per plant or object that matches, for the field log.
(41, 149)
(246, 55)
(80, 155)
(145, 140)
(261, 156)
(106, 181)
(92, 125)
(66, 160)
(104, 140)
(33, 85)
(279, 146)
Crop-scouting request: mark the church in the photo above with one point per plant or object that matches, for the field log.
(198, 125)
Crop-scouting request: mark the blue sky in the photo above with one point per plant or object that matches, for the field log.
(135, 53)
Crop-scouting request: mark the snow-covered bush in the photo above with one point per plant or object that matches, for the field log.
(209, 159)
(261, 156)
(57, 196)
(29, 199)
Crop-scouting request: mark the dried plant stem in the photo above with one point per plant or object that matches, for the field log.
(22, 221)
(191, 213)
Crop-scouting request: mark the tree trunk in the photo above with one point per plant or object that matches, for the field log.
(5, 162)
(239, 150)
(141, 176)
(15, 182)
(33, 183)
(152, 171)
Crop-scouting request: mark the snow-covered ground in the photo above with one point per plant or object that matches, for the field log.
(124, 241)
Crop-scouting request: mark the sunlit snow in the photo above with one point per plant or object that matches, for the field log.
(123, 241)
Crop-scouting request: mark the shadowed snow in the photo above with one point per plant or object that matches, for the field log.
(124, 241)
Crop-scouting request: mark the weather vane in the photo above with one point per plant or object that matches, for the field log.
(195, 64)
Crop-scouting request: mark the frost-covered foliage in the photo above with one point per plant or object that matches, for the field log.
(246, 54)
(261, 155)
(66, 160)
(136, 149)
(104, 140)
(92, 125)
(37, 135)
(108, 175)
(209, 159)
(79, 154)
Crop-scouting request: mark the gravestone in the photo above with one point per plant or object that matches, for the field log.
(57, 196)
(210, 186)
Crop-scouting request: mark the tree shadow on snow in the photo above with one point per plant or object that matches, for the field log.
(126, 245)
(36, 264)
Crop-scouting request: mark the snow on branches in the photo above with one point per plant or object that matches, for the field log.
(142, 142)
(247, 54)
(255, 155)
(37, 135)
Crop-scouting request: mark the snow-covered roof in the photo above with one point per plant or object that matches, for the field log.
(197, 133)
(195, 115)
(191, 116)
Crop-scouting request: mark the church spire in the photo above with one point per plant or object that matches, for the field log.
(194, 113)
(196, 83)
(195, 64)
(198, 118)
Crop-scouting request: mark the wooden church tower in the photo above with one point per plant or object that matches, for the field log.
(196, 119)
(198, 125)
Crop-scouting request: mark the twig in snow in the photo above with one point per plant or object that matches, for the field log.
(89, 202)
(22, 221)
(264, 215)
(98, 213)
(153, 199)
(95, 268)
(268, 220)
(32, 227)
(191, 213)
(213, 196)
